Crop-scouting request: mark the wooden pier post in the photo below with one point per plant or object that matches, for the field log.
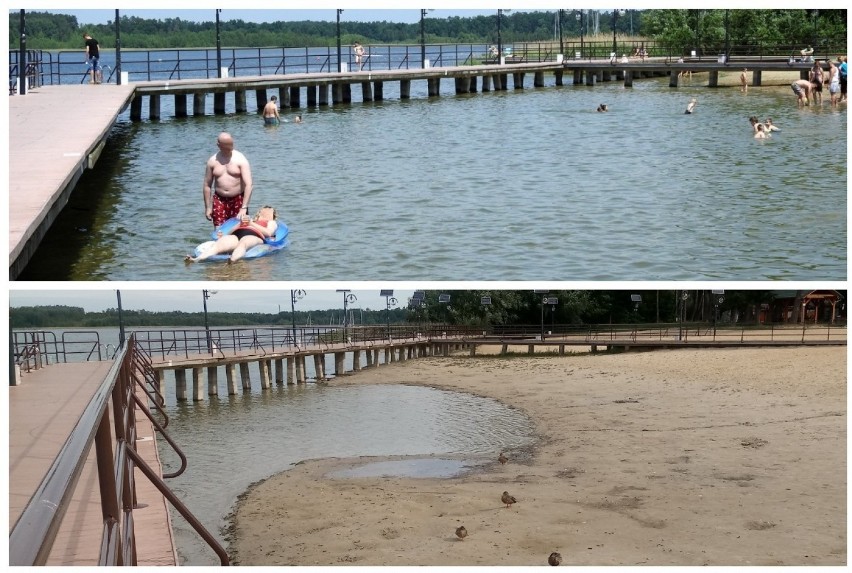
(471, 88)
(504, 349)
(473, 349)
(379, 91)
(376, 357)
(180, 105)
(319, 367)
(240, 101)
(405, 89)
(279, 371)
(295, 101)
(756, 77)
(199, 102)
(291, 370)
(504, 81)
(323, 94)
(369, 353)
(264, 367)
(261, 99)
(673, 79)
(628, 78)
(366, 91)
(197, 384)
(388, 355)
(283, 97)
(161, 381)
(347, 93)
(336, 93)
(606, 75)
(531, 349)
(434, 86)
(212, 381)
(339, 363)
(245, 377)
(578, 77)
(538, 80)
(180, 385)
(311, 95)
(561, 349)
(518, 80)
(486, 83)
(219, 103)
(153, 106)
(300, 369)
(558, 76)
(713, 80)
(402, 354)
(231, 378)
(356, 360)
(136, 108)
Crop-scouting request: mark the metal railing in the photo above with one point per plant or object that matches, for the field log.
(34, 533)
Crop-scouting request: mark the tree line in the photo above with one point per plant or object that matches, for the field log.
(462, 307)
(677, 29)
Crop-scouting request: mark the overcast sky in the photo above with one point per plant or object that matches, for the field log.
(229, 298)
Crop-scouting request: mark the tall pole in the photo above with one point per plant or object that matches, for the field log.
(205, 295)
(499, 37)
(339, 50)
(293, 313)
(218, 48)
(423, 37)
(117, 48)
(614, 21)
(120, 320)
(727, 39)
(561, 42)
(22, 56)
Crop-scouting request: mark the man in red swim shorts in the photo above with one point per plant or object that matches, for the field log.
(227, 182)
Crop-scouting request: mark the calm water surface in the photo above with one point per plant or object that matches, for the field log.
(515, 185)
(231, 442)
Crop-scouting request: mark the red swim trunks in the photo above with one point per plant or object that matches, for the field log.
(225, 208)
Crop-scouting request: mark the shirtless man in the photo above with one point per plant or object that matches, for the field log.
(227, 183)
(802, 89)
(270, 112)
(744, 81)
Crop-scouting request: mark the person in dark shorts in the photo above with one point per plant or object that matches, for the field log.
(93, 55)
(270, 112)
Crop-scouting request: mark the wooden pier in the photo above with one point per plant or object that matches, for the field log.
(44, 167)
(289, 366)
(43, 411)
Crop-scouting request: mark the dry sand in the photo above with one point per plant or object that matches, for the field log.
(682, 457)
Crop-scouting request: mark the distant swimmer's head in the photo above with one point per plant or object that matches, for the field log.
(602, 107)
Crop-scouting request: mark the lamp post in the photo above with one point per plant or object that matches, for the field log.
(816, 22)
(207, 294)
(499, 37)
(339, 50)
(614, 22)
(347, 298)
(295, 295)
(120, 321)
(117, 48)
(423, 36)
(22, 56)
(389, 302)
(718, 299)
(727, 38)
(218, 47)
(559, 22)
(580, 20)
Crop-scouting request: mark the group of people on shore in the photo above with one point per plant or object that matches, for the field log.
(810, 90)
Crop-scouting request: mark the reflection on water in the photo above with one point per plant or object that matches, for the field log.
(516, 185)
(234, 441)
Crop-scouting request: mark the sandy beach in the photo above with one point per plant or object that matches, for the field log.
(670, 457)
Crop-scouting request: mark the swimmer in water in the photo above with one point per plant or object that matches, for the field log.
(602, 107)
(691, 105)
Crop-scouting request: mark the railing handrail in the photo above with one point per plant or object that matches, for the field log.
(34, 533)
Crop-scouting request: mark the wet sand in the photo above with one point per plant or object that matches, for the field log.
(671, 457)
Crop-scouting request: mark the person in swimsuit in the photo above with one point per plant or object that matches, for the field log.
(690, 107)
(802, 89)
(816, 77)
(270, 112)
(227, 183)
(744, 81)
(602, 108)
(249, 233)
(769, 126)
(834, 83)
(358, 50)
(760, 133)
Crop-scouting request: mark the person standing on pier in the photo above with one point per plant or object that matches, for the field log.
(93, 54)
(358, 49)
(227, 182)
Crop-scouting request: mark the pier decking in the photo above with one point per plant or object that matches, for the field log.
(43, 411)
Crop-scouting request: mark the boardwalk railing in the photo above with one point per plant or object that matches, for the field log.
(33, 535)
(67, 67)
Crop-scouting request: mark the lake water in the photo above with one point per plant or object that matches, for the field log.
(516, 185)
(234, 441)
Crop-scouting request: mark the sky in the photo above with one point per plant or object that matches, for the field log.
(228, 298)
